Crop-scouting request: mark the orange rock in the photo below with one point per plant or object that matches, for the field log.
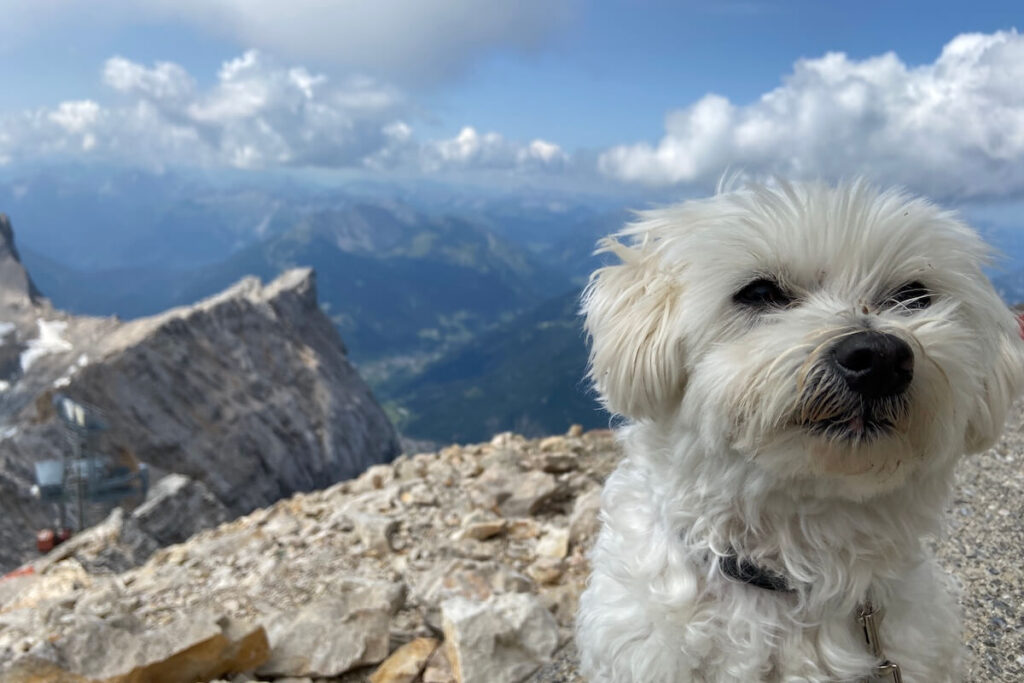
(405, 663)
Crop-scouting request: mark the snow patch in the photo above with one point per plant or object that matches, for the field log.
(65, 379)
(48, 342)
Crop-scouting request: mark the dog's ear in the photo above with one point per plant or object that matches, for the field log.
(630, 309)
(1001, 387)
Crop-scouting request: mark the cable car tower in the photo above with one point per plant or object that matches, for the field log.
(85, 474)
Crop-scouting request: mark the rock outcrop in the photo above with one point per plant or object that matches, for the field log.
(248, 393)
(435, 568)
(16, 287)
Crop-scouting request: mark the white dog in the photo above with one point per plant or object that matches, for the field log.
(801, 367)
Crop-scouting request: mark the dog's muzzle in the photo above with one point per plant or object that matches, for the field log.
(859, 389)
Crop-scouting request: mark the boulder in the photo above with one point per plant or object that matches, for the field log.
(501, 640)
(405, 664)
(334, 634)
(177, 508)
(188, 649)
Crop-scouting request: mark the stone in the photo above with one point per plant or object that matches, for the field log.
(473, 579)
(418, 493)
(553, 443)
(523, 528)
(375, 532)
(334, 634)
(557, 463)
(481, 527)
(575, 431)
(114, 545)
(177, 508)
(563, 600)
(584, 522)
(502, 640)
(546, 570)
(438, 669)
(48, 583)
(406, 663)
(188, 649)
(554, 543)
(373, 479)
(503, 440)
(32, 670)
(520, 495)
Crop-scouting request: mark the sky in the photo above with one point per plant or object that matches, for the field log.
(642, 94)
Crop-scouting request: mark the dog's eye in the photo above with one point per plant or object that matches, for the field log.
(762, 293)
(912, 296)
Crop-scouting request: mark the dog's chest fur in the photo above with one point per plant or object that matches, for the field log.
(664, 612)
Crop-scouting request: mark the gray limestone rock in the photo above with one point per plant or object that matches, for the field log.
(334, 634)
(177, 507)
(249, 393)
(15, 284)
(502, 640)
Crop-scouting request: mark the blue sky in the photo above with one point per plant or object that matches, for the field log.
(611, 75)
(648, 93)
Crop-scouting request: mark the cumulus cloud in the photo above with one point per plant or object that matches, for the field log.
(470, 149)
(258, 114)
(951, 128)
(403, 40)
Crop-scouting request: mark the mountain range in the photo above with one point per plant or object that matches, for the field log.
(421, 283)
(442, 294)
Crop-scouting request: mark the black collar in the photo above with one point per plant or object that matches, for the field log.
(747, 572)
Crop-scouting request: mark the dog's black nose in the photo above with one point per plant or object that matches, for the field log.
(874, 364)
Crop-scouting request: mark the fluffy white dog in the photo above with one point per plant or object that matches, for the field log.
(801, 367)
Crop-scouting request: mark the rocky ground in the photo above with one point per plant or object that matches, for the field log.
(463, 565)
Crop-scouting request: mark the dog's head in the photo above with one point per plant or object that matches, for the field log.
(839, 333)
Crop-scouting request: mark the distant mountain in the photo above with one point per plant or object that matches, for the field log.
(125, 292)
(393, 280)
(398, 282)
(414, 275)
(526, 375)
(97, 219)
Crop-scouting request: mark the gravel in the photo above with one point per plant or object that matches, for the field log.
(983, 547)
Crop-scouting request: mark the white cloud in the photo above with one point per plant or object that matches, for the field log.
(400, 40)
(166, 81)
(76, 117)
(952, 128)
(258, 114)
(470, 149)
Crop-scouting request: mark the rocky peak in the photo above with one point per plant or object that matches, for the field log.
(16, 287)
(249, 393)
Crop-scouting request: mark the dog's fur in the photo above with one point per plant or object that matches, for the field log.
(721, 456)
